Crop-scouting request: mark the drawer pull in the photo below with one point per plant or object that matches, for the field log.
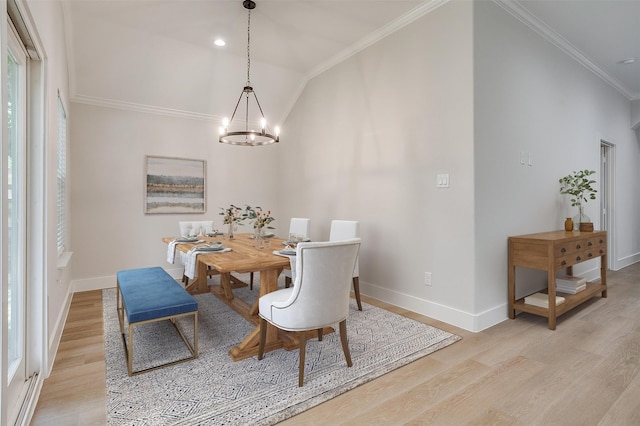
(601, 251)
(589, 244)
(563, 250)
(578, 258)
(589, 255)
(601, 241)
(564, 262)
(578, 246)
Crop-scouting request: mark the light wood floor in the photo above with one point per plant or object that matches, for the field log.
(587, 372)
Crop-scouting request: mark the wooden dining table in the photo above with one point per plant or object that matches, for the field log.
(244, 257)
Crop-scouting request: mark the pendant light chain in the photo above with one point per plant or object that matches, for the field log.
(248, 47)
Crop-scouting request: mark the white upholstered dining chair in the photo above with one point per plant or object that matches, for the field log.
(319, 297)
(198, 227)
(298, 226)
(344, 230)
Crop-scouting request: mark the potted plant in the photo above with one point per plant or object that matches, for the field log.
(578, 185)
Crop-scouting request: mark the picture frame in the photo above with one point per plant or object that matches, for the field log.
(174, 185)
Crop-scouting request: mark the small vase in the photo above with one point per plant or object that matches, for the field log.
(581, 217)
(568, 224)
(258, 236)
(230, 233)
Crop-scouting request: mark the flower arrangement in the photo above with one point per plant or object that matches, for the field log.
(234, 214)
(231, 214)
(261, 219)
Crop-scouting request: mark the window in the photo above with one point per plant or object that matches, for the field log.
(16, 220)
(61, 176)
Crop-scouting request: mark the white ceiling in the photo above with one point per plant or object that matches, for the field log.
(306, 36)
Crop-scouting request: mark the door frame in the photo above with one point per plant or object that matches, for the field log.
(607, 197)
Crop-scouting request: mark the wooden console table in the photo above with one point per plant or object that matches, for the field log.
(552, 251)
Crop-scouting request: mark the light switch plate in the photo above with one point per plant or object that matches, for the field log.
(442, 180)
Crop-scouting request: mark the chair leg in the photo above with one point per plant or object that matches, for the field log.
(320, 335)
(287, 282)
(251, 281)
(303, 350)
(263, 337)
(345, 345)
(356, 290)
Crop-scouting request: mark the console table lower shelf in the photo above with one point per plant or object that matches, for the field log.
(570, 301)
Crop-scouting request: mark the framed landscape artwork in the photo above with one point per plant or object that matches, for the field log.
(174, 185)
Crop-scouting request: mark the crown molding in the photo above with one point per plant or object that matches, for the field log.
(378, 35)
(527, 18)
(148, 109)
(363, 43)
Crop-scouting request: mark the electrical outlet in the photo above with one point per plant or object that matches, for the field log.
(427, 279)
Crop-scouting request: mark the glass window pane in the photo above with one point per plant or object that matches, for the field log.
(15, 207)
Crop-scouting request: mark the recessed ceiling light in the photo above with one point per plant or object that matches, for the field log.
(628, 61)
(219, 42)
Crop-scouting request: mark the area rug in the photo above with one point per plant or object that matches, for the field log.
(214, 390)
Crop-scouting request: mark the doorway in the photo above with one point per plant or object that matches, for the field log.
(607, 157)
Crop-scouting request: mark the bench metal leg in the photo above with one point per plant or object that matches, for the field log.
(129, 348)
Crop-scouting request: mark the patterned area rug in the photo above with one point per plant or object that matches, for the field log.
(214, 390)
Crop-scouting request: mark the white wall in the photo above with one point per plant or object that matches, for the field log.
(366, 141)
(110, 230)
(531, 97)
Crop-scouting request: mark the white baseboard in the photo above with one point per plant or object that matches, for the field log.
(100, 283)
(627, 261)
(453, 316)
(56, 336)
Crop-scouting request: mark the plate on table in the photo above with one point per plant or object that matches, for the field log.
(186, 239)
(264, 236)
(288, 251)
(305, 240)
(214, 234)
(209, 247)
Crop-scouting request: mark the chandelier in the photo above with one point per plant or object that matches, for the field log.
(242, 133)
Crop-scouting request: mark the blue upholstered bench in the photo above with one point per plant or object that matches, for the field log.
(150, 294)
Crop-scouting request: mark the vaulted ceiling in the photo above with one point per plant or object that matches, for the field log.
(292, 41)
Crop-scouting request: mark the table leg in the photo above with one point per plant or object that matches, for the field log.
(199, 283)
(275, 338)
(225, 283)
(512, 291)
(551, 278)
(268, 283)
(603, 274)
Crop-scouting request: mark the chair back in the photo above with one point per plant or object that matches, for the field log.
(320, 295)
(344, 230)
(195, 227)
(300, 226)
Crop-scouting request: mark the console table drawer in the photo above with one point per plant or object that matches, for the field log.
(578, 256)
(582, 245)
